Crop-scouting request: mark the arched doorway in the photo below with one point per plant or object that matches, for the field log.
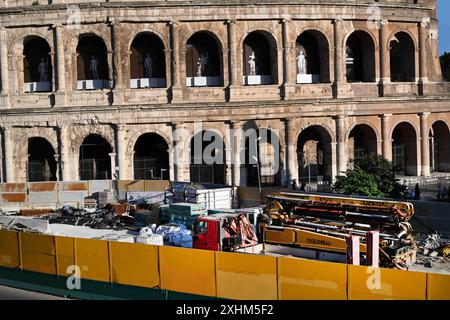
(403, 64)
(262, 157)
(95, 161)
(360, 57)
(203, 61)
(92, 63)
(404, 149)
(361, 141)
(312, 57)
(207, 159)
(37, 65)
(151, 158)
(41, 160)
(440, 147)
(259, 59)
(314, 155)
(147, 62)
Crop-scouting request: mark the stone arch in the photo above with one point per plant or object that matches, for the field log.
(363, 122)
(42, 165)
(94, 158)
(21, 36)
(151, 157)
(204, 58)
(126, 46)
(79, 133)
(147, 61)
(135, 136)
(37, 64)
(361, 140)
(207, 158)
(260, 45)
(262, 157)
(439, 142)
(360, 56)
(404, 148)
(314, 44)
(403, 52)
(91, 46)
(314, 154)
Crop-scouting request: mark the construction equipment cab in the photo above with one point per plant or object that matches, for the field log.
(223, 232)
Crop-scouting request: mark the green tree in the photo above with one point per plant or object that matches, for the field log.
(372, 176)
(445, 65)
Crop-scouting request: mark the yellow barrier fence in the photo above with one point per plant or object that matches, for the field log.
(134, 264)
(9, 249)
(246, 276)
(187, 270)
(215, 274)
(366, 283)
(300, 279)
(38, 252)
(92, 257)
(65, 255)
(438, 286)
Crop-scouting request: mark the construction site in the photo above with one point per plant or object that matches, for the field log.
(153, 239)
(179, 149)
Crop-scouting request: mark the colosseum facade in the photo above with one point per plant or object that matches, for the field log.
(116, 89)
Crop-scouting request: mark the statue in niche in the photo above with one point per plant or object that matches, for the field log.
(202, 61)
(252, 63)
(301, 62)
(43, 71)
(93, 67)
(148, 66)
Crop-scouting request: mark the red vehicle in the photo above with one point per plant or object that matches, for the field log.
(223, 232)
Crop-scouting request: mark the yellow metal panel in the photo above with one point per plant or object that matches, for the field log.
(134, 264)
(187, 270)
(366, 283)
(438, 287)
(92, 259)
(9, 249)
(246, 276)
(284, 236)
(65, 255)
(38, 253)
(300, 279)
(314, 240)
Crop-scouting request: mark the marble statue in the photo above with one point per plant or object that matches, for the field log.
(43, 71)
(201, 64)
(148, 66)
(93, 67)
(301, 63)
(252, 63)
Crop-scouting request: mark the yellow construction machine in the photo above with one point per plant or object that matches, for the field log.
(323, 222)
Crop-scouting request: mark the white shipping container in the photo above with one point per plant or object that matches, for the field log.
(211, 198)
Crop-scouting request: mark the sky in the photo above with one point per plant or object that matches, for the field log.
(444, 25)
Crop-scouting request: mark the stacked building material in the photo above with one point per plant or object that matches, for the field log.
(182, 213)
(34, 212)
(153, 239)
(104, 197)
(146, 217)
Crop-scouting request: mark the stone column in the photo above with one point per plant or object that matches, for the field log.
(290, 152)
(66, 164)
(424, 144)
(288, 80)
(232, 70)
(423, 67)
(112, 156)
(339, 59)
(175, 65)
(4, 64)
(340, 146)
(385, 132)
(385, 70)
(238, 152)
(117, 65)
(178, 151)
(121, 151)
(8, 150)
(60, 96)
